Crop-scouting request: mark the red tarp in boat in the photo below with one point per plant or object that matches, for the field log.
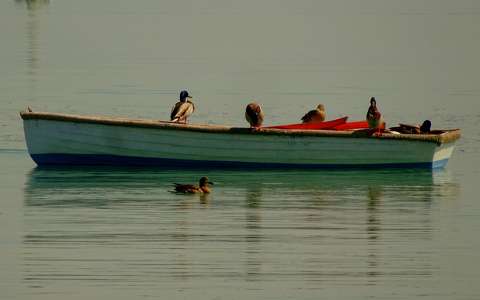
(352, 126)
(313, 126)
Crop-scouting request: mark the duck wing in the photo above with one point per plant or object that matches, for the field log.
(373, 113)
(375, 122)
(308, 116)
(185, 188)
(175, 110)
(190, 108)
(249, 118)
(314, 116)
(182, 110)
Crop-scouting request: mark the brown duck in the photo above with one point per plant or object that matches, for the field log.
(182, 109)
(315, 115)
(254, 115)
(202, 187)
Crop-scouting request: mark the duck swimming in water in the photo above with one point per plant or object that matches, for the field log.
(182, 109)
(254, 115)
(315, 115)
(202, 187)
(374, 117)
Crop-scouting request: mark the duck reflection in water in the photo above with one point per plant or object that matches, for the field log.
(33, 40)
(375, 194)
(33, 4)
(373, 227)
(253, 237)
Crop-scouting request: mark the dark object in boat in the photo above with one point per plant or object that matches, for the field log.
(406, 129)
(413, 129)
(426, 126)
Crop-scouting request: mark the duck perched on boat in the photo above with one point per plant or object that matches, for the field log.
(374, 117)
(425, 128)
(202, 187)
(315, 115)
(254, 115)
(183, 108)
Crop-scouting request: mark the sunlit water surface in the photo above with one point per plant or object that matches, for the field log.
(118, 233)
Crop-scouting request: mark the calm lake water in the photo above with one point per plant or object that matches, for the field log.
(77, 233)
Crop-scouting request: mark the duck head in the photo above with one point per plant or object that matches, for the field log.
(184, 95)
(204, 182)
(373, 102)
(255, 107)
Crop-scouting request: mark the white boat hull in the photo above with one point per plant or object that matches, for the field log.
(63, 142)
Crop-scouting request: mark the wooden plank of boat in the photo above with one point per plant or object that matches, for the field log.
(61, 139)
(312, 126)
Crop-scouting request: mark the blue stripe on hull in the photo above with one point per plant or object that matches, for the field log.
(113, 160)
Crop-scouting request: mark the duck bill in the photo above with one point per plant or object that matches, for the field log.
(210, 182)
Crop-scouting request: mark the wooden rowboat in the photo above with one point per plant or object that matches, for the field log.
(61, 139)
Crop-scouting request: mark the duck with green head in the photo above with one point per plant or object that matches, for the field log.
(182, 109)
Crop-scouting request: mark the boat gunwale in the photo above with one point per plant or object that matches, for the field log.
(447, 136)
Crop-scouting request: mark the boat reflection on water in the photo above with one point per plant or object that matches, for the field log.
(98, 186)
(354, 225)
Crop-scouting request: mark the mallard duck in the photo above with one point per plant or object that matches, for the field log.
(315, 115)
(374, 117)
(254, 115)
(182, 109)
(193, 189)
